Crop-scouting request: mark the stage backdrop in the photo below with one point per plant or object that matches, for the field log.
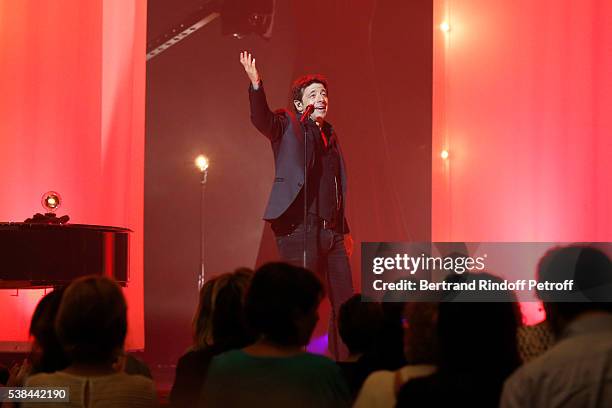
(377, 55)
(522, 102)
(72, 120)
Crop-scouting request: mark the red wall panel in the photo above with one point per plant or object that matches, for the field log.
(72, 120)
(522, 96)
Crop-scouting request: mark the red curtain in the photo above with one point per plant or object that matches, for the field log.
(72, 120)
(522, 102)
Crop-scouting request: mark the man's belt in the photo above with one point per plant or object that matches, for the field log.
(284, 228)
(316, 221)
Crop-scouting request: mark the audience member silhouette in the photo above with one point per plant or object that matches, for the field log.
(91, 325)
(282, 310)
(359, 325)
(388, 352)
(219, 325)
(250, 333)
(420, 349)
(477, 352)
(576, 371)
(47, 354)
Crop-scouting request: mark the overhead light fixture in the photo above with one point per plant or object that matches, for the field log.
(240, 18)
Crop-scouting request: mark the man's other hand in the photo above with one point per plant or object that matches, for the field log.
(348, 244)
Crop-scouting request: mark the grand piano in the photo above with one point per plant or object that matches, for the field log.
(49, 255)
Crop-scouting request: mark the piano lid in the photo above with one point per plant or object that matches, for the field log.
(44, 255)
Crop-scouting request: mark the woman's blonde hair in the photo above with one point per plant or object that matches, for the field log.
(204, 334)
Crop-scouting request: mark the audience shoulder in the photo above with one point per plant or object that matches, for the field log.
(323, 364)
(39, 379)
(231, 355)
(546, 362)
(226, 362)
(322, 360)
(137, 380)
(515, 390)
(382, 380)
(375, 389)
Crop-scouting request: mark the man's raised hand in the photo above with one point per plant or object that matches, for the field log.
(248, 62)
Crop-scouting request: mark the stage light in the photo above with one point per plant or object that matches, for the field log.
(444, 154)
(51, 201)
(202, 163)
(445, 27)
(240, 18)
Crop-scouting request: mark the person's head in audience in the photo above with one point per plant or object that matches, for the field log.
(477, 350)
(590, 270)
(202, 320)
(390, 343)
(228, 320)
(91, 322)
(282, 304)
(219, 319)
(420, 337)
(47, 354)
(359, 324)
(479, 337)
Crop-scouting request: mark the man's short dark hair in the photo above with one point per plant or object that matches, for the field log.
(359, 323)
(279, 294)
(303, 82)
(591, 271)
(92, 320)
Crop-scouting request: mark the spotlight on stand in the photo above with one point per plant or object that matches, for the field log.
(202, 163)
(240, 18)
(50, 201)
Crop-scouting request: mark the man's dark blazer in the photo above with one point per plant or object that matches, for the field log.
(286, 135)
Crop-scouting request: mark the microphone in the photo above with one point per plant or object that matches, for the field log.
(307, 112)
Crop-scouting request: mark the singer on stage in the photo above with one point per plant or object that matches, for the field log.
(320, 223)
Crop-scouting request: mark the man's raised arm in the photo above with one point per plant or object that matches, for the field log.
(270, 124)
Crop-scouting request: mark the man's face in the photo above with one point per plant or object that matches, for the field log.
(314, 94)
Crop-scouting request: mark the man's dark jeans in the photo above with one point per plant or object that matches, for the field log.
(326, 256)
